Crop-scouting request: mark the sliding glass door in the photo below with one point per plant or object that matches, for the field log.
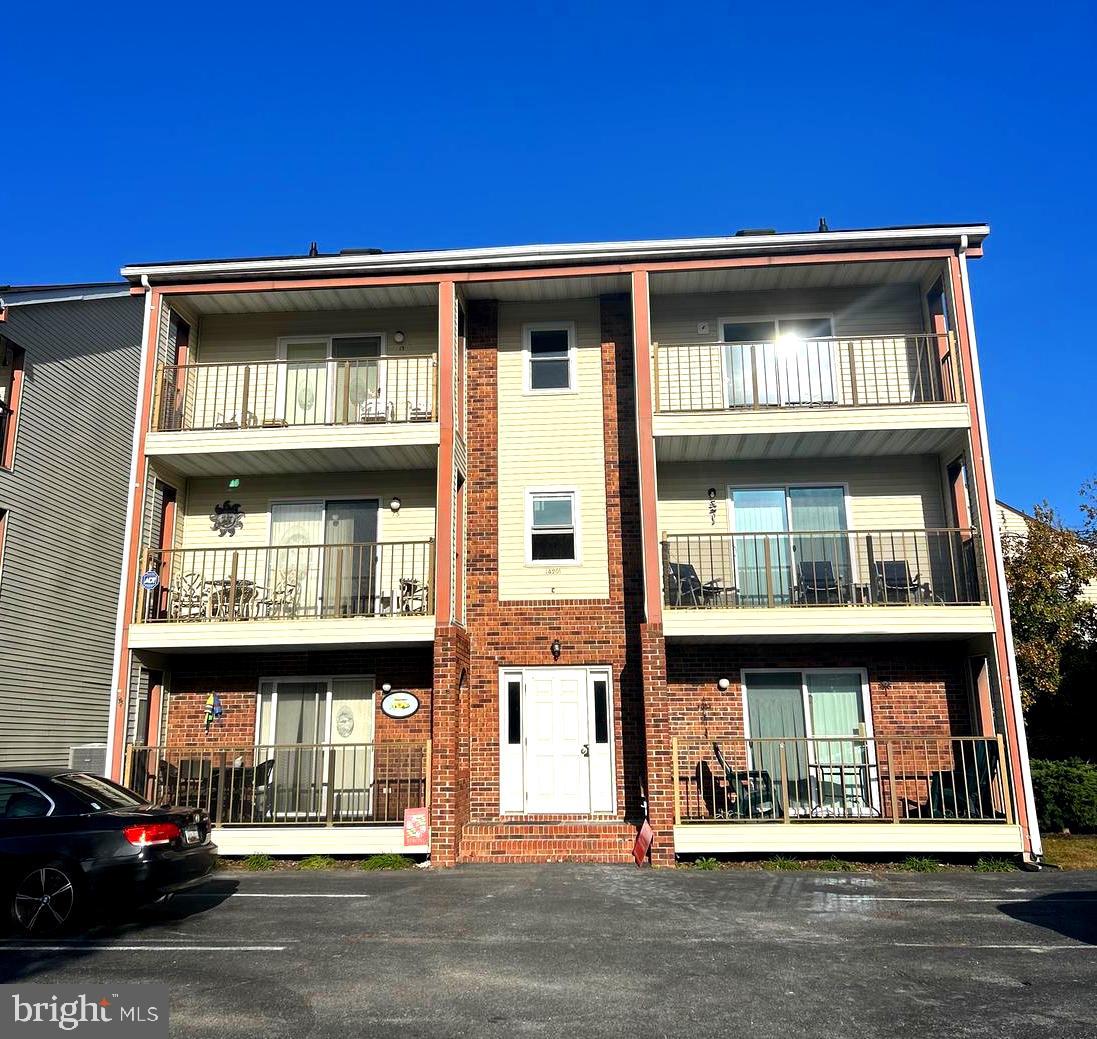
(760, 546)
(822, 719)
(823, 570)
(779, 361)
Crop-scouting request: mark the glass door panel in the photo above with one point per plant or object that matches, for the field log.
(297, 531)
(750, 346)
(843, 768)
(352, 766)
(775, 709)
(806, 368)
(305, 398)
(823, 567)
(350, 558)
(358, 383)
(762, 562)
(292, 722)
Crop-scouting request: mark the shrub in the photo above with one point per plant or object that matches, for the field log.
(707, 862)
(1066, 795)
(317, 862)
(258, 863)
(919, 864)
(387, 861)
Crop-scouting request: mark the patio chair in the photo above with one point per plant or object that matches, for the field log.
(752, 790)
(188, 599)
(236, 420)
(413, 596)
(894, 583)
(965, 792)
(685, 587)
(818, 585)
(417, 411)
(373, 409)
(282, 602)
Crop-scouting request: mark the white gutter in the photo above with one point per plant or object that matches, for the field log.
(594, 252)
(1011, 659)
(120, 680)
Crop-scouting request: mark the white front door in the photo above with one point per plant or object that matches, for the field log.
(556, 747)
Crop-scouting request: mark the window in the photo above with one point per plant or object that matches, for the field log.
(552, 527)
(601, 710)
(101, 795)
(514, 711)
(550, 357)
(11, 384)
(20, 801)
(779, 361)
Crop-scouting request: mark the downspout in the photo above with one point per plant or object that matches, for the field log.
(1011, 659)
(120, 691)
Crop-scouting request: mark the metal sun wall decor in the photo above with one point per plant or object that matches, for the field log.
(712, 506)
(226, 518)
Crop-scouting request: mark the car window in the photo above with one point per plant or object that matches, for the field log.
(98, 793)
(19, 801)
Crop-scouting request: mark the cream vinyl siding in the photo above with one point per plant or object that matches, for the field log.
(414, 521)
(694, 380)
(253, 337)
(902, 493)
(552, 441)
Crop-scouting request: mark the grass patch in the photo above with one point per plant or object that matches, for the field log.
(919, 864)
(318, 862)
(994, 864)
(388, 861)
(782, 862)
(258, 863)
(1070, 852)
(833, 865)
(706, 862)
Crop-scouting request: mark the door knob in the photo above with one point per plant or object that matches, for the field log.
(585, 750)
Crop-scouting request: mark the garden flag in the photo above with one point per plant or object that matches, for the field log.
(643, 843)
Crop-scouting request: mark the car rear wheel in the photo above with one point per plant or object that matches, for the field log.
(45, 901)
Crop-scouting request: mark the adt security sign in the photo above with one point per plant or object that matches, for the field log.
(150, 579)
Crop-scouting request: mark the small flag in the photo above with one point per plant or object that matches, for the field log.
(643, 843)
(416, 828)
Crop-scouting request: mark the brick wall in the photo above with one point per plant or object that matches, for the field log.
(235, 678)
(517, 634)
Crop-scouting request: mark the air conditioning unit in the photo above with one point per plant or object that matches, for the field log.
(89, 757)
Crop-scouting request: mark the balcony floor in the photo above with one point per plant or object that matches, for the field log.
(171, 636)
(821, 623)
(850, 838)
(332, 449)
(808, 432)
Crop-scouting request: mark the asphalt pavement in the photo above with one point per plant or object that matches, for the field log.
(588, 951)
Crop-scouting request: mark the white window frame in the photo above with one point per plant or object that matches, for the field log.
(553, 492)
(527, 356)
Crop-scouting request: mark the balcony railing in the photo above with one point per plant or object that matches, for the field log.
(919, 368)
(286, 783)
(796, 779)
(290, 582)
(6, 415)
(823, 568)
(277, 394)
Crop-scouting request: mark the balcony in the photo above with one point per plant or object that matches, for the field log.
(291, 797)
(373, 592)
(888, 394)
(819, 584)
(843, 794)
(277, 416)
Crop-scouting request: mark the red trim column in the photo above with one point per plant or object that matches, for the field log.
(444, 498)
(996, 592)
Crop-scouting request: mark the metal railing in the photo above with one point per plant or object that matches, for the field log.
(823, 568)
(799, 779)
(6, 415)
(284, 784)
(288, 582)
(277, 394)
(915, 368)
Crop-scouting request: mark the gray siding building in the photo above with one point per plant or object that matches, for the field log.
(69, 358)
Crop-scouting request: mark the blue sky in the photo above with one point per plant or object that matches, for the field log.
(230, 130)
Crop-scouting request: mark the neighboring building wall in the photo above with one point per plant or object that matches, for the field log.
(66, 502)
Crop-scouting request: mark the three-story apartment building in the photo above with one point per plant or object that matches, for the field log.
(546, 538)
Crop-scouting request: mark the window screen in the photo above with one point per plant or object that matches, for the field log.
(549, 363)
(552, 537)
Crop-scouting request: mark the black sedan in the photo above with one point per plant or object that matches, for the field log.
(71, 839)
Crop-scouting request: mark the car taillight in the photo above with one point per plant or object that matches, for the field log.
(145, 834)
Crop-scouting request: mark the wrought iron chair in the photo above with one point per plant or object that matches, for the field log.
(188, 599)
(818, 585)
(752, 789)
(685, 587)
(894, 584)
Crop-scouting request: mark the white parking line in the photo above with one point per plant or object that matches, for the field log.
(108, 947)
(258, 894)
(1000, 945)
(920, 898)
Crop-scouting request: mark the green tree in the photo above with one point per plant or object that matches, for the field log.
(1053, 624)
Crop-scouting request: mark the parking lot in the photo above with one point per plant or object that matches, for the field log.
(605, 951)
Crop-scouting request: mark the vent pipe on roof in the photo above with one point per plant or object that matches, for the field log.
(823, 225)
(313, 249)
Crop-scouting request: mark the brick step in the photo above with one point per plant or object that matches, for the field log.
(548, 841)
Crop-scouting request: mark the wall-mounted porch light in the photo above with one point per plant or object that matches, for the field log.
(723, 685)
(556, 649)
(395, 504)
